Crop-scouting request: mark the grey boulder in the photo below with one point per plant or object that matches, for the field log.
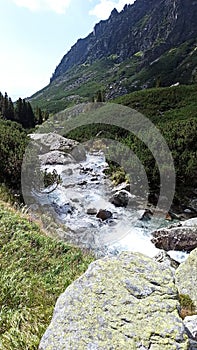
(123, 302)
(48, 142)
(186, 277)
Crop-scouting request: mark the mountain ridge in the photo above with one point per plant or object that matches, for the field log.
(125, 25)
(133, 49)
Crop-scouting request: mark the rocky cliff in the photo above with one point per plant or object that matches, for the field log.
(148, 44)
(150, 27)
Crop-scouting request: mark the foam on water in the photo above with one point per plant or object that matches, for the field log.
(85, 186)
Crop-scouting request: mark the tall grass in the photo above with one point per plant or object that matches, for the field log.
(34, 270)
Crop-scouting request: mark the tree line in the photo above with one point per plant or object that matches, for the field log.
(21, 112)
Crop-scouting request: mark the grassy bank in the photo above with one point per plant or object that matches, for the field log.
(35, 269)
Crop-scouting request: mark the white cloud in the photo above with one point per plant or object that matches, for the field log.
(104, 8)
(58, 6)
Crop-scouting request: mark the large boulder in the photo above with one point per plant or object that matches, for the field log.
(56, 157)
(54, 142)
(186, 277)
(182, 237)
(123, 302)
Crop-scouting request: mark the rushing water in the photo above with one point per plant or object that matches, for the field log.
(85, 186)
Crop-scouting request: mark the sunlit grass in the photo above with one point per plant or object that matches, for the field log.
(35, 269)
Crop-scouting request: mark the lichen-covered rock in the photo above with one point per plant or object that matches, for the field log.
(186, 277)
(123, 302)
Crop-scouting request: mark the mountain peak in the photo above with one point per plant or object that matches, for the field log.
(149, 42)
(145, 25)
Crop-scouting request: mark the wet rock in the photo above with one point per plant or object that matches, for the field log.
(147, 215)
(120, 198)
(176, 238)
(104, 214)
(163, 258)
(186, 277)
(123, 302)
(82, 183)
(123, 186)
(56, 157)
(63, 209)
(95, 178)
(91, 211)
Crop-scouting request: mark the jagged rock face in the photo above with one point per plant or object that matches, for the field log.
(151, 27)
(123, 302)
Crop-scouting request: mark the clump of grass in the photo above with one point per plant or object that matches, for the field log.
(187, 306)
(35, 269)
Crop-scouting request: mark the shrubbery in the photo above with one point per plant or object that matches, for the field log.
(13, 142)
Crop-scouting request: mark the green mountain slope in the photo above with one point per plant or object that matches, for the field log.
(148, 44)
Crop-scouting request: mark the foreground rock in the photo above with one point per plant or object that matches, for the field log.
(182, 237)
(186, 277)
(123, 302)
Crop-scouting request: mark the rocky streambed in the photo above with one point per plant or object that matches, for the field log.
(130, 297)
(97, 215)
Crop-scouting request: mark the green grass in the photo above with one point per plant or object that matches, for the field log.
(35, 269)
(187, 306)
(164, 104)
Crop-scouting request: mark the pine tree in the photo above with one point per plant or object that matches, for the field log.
(38, 116)
(5, 106)
(18, 110)
(30, 117)
(24, 114)
(11, 114)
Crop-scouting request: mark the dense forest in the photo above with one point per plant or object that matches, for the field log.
(21, 112)
(16, 121)
(172, 110)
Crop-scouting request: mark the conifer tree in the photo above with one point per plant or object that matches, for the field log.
(39, 116)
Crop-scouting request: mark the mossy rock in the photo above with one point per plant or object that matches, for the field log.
(123, 302)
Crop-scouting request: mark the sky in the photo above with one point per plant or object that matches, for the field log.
(36, 34)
